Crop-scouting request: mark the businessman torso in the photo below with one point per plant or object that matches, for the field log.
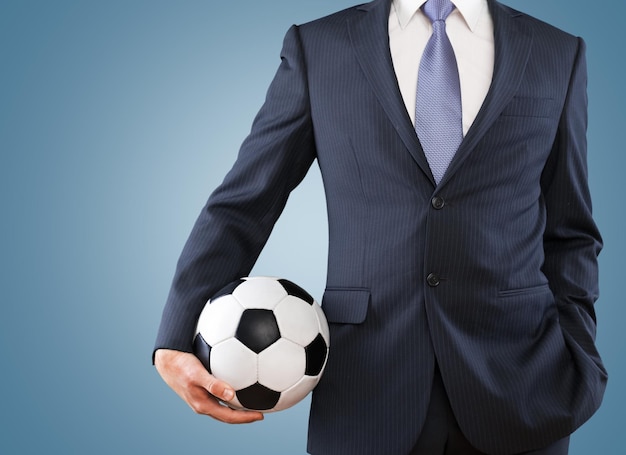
(492, 272)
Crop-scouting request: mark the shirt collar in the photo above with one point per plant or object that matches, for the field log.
(469, 9)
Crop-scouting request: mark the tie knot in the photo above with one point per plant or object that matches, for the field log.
(438, 10)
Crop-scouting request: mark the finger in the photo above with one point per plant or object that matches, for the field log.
(229, 415)
(204, 403)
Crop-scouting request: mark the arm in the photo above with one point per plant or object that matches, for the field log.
(239, 216)
(571, 240)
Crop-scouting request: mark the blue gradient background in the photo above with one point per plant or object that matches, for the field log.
(117, 118)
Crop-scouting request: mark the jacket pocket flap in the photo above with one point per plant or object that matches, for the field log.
(346, 305)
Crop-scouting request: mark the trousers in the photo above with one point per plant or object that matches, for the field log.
(441, 434)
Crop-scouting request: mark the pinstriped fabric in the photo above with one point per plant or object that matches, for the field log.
(365, 156)
(492, 272)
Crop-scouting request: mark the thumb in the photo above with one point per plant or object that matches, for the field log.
(218, 388)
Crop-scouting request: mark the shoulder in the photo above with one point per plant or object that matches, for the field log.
(335, 18)
(324, 32)
(541, 29)
(334, 24)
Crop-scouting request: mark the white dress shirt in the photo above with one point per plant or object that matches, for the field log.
(470, 30)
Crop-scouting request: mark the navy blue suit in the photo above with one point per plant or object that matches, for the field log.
(492, 273)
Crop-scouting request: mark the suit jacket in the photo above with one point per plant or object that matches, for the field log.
(492, 273)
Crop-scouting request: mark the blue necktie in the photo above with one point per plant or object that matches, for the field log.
(438, 120)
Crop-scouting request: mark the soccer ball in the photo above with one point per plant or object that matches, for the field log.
(267, 338)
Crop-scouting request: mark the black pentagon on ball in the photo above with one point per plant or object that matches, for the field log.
(257, 329)
(315, 356)
(202, 350)
(258, 397)
(296, 291)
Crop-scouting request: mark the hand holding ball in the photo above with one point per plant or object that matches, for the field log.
(267, 338)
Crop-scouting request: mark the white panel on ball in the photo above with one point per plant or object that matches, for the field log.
(218, 320)
(234, 363)
(259, 292)
(296, 320)
(281, 365)
(297, 392)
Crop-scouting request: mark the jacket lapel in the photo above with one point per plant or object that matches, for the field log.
(513, 41)
(370, 38)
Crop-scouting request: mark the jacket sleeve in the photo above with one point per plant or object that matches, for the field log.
(571, 240)
(238, 218)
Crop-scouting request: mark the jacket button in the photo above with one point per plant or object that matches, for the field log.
(437, 202)
(433, 280)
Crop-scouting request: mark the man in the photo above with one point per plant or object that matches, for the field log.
(462, 267)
